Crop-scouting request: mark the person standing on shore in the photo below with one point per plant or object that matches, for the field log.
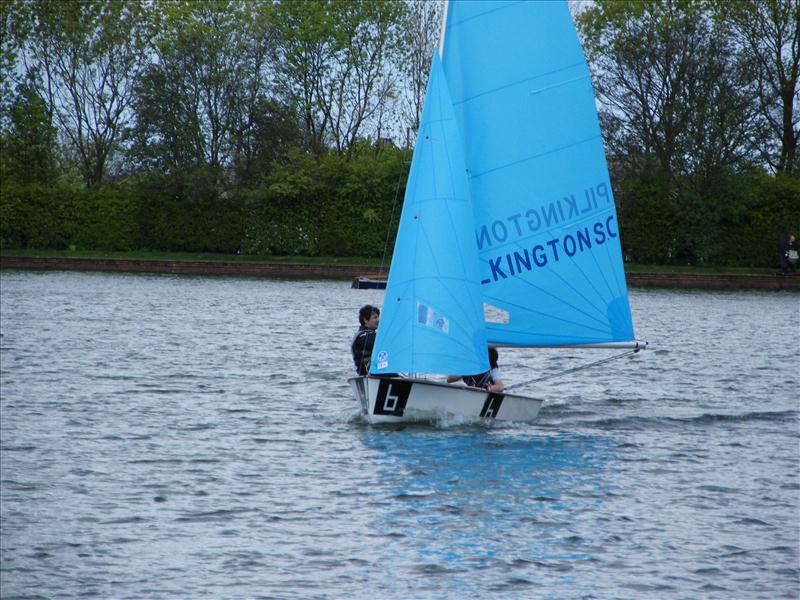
(787, 254)
(364, 339)
(791, 254)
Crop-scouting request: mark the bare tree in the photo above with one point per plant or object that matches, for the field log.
(249, 98)
(671, 90)
(197, 101)
(361, 85)
(304, 56)
(334, 57)
(83, 58)
(770, 33)
(422, 30)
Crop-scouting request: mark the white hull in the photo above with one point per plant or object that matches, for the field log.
(401, 400)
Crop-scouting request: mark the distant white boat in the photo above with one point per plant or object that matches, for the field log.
(509, 234)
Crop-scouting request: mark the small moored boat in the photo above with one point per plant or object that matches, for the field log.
(365, 283)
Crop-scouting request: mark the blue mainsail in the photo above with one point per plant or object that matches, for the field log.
(509, 233)
(432, 320)
(546, 225)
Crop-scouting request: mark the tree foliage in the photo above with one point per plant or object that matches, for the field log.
(252, 126)
(185, 99)
(671, 90)
(683, 109)
(82, 58)
(769, 34)
(336, 57)
(28, 141)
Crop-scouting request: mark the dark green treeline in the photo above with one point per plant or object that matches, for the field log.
(327, 206)
(284, 128)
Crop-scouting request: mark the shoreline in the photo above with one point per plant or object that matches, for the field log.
(348, 272)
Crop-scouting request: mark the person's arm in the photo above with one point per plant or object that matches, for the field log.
(497, 382)
(369, 343)
(362, 352)
(496, 387)
(356, 348)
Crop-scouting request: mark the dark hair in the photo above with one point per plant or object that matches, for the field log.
(366, 312)
(492, 357)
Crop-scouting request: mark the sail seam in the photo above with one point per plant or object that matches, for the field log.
(535, 156)
(614, 292)
(578, 293)
(517, 82)
(487, 12)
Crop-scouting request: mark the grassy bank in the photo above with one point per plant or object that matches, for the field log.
(338, 260)
(198, 256)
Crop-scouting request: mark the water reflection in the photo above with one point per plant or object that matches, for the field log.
(476, 498)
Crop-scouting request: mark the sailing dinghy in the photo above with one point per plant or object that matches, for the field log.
(508, 234)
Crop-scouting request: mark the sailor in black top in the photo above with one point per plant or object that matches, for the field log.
(491, 380)
(364, 340)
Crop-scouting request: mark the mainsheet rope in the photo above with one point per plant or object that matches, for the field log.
(572, 370)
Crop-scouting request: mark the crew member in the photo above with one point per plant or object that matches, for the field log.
(491, 380)
(364, 340)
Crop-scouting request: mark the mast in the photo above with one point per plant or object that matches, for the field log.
(444, 29)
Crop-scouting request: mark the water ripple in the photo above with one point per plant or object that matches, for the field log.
(187, 437)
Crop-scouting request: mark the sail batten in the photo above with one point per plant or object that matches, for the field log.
(521, 161)
(527, 80)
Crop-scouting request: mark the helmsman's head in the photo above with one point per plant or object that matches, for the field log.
(369, 316)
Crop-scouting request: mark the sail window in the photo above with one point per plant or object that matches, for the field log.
(493, 314)
(428, 317)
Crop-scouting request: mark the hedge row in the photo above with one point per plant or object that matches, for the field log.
(328, 208)
(344, 208)
(734, 221)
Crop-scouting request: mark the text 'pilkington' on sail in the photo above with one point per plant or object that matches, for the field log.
(568, 208)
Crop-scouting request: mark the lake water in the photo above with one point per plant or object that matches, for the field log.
(189, 437)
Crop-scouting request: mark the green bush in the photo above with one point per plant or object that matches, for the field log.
(346, 207)
(646, 211)
(279, 226)
(773, 208)
(60, 217)
(101, 219)
(32, 216)
(358, 216)
(330, 207)
(208, 225)
(187, 214)
(728, 220)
